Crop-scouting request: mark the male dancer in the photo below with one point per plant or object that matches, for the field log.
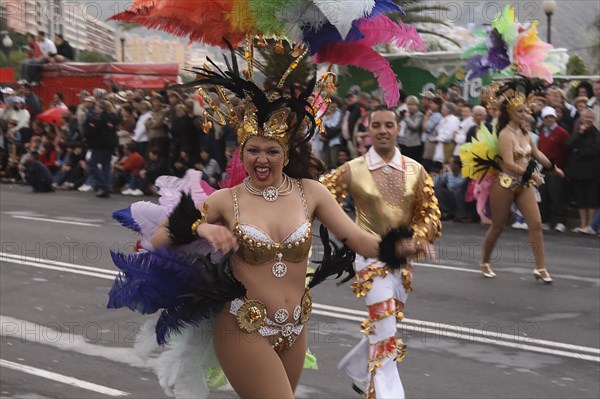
(390, 191)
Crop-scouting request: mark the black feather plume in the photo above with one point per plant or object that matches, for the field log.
(335, 262)
(181, 219)
(387, 247)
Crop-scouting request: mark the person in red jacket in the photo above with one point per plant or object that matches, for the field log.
(131, 168)
(552, 143)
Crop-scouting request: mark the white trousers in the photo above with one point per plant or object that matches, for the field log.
(358, 362)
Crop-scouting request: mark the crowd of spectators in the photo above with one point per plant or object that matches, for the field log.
(120, 142)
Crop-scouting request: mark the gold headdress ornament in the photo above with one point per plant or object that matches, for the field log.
(271, 115)
(515, 93)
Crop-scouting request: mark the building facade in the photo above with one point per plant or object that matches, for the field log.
(80, 24)
(153, 49)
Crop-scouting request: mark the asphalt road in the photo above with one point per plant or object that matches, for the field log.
(468, 337)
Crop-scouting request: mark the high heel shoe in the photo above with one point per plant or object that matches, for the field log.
(542, 274)
(487, 270)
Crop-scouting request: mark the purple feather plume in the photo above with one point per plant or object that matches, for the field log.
(498, 54)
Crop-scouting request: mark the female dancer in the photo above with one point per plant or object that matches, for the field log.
(518, 153)
(258, 302)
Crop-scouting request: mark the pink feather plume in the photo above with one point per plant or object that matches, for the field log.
(235, 170)
(364, 57)
(382, 30)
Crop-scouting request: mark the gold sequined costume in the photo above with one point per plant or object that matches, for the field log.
(398, 193)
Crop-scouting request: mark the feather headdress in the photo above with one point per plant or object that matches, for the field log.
(327, 30)
(511, 48)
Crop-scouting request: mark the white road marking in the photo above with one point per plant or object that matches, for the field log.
(62, 336)
(41, 261)
(57, 268)
(490, 336)
(427, 327)
(55, 220)
(62, 379)
(444, 267)
(488, 341)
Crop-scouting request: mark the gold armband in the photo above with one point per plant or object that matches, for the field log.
(199, 221)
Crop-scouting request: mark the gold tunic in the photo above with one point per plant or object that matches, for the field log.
(416, 208)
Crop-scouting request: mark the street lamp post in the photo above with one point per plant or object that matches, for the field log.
(6, 43)
(122, 49)
(549, 7)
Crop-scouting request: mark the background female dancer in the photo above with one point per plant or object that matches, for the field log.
(513, 184)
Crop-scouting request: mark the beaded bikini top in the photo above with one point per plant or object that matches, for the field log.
(257, 247)
(519, 152)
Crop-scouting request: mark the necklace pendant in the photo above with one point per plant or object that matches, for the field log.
(279, 269)
(270, 194)
(387, 169)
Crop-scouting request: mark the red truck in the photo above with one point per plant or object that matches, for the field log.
(70, 78)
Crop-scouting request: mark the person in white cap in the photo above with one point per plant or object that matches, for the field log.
(18, 113)
(552, 143)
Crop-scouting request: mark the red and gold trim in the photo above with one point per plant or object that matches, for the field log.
(407, 273)
(364, 279)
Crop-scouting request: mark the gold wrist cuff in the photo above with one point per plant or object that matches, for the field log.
(199, 221)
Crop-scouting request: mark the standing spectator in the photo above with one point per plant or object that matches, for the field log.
(71, 126)
(140, 133)
(431, 120)
(412, 121)
(86, 105)
(33, 102)
(594, 104)
(353, 113)
(183, 131)
(583, 167)
(446, 130)
(102, 140)
(18, 114)
(466, 123)
(581, 105)
(64, 51)
(552, 143)
(158, 131)
(126, 126)
(36, 174)
(58, 101)
(557, 99)
(332, 134)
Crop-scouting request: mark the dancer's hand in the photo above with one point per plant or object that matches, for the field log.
(219, 237)
(538, 180)
(558, 172)
(412, 248)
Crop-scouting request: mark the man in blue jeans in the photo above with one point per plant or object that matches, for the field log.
(100, 131)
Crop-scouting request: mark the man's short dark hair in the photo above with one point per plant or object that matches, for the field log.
(60, 96)
(60, 36)
(41, 33)
(380, 108)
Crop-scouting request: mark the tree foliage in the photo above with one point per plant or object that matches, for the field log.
(93, 56)
(576, 66)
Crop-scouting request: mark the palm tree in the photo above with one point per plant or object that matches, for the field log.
(417, 11)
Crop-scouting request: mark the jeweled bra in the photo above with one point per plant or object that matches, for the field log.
(256, 247)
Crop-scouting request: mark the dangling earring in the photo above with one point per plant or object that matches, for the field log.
(286, 162)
